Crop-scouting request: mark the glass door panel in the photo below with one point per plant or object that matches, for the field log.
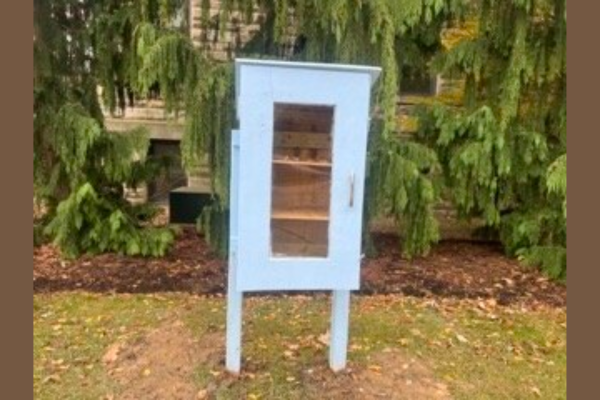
(301, 186)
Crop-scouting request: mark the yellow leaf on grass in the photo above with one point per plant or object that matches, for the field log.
(375, 368)
(288, 354)
(111, 354)
(51, 378)
(324, 338)
(461, 338)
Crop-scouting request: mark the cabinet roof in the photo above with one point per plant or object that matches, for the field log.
(373, 71)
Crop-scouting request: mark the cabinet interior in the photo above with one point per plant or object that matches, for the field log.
(301, 180)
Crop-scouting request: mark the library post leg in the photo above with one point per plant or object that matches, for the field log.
(338, 347)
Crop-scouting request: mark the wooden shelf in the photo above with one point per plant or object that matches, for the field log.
(300, 215)
(323, 164)
(285, 250)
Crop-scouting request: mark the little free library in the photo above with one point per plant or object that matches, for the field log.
(297, 184)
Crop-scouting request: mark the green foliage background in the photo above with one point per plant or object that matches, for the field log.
(500, 150)
(503, 151)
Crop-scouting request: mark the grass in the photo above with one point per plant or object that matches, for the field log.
(72, 332)
(478, 350)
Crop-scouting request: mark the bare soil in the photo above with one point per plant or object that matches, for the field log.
(390, 375)
(161, 365)
(456, 269)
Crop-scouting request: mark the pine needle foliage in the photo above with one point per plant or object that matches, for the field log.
(503, 152)
(208, 133)
(80, 169)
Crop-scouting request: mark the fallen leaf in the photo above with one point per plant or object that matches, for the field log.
(202, 394)
(375, 368)
(288, 354)
(324, 338)
(509, 282)
(416, 332)
(461, 338)
(51, 378)
(111, 354)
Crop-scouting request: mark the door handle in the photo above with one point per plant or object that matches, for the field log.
(352, 179)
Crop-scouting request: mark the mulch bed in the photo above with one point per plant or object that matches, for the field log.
(456, 269)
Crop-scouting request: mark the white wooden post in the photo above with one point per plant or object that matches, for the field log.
(338, 344)
(235, 297)
(234, 330)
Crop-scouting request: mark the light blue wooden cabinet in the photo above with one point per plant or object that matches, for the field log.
(301, 166)
(298, 171)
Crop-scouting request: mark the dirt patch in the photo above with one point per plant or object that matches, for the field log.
(162, 364)
(390, 375)
(454, 269)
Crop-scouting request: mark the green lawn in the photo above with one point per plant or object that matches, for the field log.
(475, 349)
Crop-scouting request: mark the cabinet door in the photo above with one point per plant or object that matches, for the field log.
(302, 162)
